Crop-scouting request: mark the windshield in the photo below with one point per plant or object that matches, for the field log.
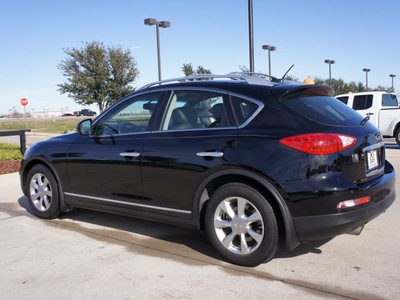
(324, 110)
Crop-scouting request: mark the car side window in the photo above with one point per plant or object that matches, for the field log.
(195, 109)
(362, 102)
(244, 109)
(130, 116)
(389, 100)
(344, 99)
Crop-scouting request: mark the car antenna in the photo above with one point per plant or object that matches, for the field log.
(287, 72)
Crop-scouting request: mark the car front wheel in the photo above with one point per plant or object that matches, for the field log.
(241, 225)
(42, 192)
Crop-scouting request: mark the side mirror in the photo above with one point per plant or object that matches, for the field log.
(85, 127)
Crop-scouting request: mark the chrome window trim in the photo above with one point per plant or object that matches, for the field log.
(120, 134)
(129, 203)
(251, 118)
(194, 129)
(183, 88)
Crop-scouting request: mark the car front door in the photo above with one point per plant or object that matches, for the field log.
(104, 168)
(195, 138)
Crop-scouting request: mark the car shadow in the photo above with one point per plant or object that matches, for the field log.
(116, 225)
(302, 249)
(193, 239)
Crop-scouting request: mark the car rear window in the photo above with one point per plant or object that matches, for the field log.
(324, 110)
(389, 100)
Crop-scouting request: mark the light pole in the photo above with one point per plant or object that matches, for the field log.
(269, 48)
(162, 24)
(330, 62)
(393, 76)
(251, 39)
(366, 77)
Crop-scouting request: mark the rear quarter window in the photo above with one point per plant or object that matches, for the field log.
(324, 110)
(344, 99)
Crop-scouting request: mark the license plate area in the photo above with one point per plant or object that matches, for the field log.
(373, 159)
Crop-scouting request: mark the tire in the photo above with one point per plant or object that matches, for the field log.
(42, 192)
(397, 136)
(241, 225)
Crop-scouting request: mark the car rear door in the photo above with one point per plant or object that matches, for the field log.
(195, 138)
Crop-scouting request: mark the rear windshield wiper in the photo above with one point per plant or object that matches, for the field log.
(365, 120)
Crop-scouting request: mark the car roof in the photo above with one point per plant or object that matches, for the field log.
(248, 84)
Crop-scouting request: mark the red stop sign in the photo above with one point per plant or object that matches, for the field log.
(24, 102)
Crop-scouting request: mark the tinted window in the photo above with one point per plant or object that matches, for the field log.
(389, 100)
(344, 99)
(195, 109)
(325, 110)
(130, 116)
(362, 102)
(244, 109)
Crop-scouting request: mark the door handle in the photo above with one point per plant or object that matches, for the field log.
(130, 154)
(210, 154)
(369, 114)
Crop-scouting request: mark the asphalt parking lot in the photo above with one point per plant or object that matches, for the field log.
(87, 254)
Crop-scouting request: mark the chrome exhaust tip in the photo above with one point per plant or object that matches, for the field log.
(357, 231)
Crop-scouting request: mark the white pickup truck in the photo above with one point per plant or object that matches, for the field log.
(381, 107)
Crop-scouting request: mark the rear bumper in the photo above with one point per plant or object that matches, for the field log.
(327, 226)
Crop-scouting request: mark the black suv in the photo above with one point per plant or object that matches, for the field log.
(254, 162)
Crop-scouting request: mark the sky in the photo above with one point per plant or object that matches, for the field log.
(356, 34)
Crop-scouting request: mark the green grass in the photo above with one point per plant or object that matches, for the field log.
(9, 152)
(55, 125)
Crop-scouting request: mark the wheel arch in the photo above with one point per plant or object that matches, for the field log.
(397, 126)
(28, 165)
(214, 181)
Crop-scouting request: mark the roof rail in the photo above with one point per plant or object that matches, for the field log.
(251, 78)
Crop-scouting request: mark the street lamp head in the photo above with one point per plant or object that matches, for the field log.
(366, 70)
(165, 24)
(329, 61)
(150, 22)
(392, 75)
(268, 47)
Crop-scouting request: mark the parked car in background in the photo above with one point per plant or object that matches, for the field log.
(67, 115)
(382, 108)
(254, 162)
(85, 112)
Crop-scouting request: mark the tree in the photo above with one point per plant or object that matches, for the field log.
(188, 70)
(96, 74)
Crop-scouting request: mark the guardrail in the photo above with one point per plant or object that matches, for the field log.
(22, 137)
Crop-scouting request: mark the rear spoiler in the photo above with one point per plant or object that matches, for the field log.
(308, 91)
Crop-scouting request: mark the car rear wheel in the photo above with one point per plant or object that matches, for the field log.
(242, 225)
(42, 192)
(397, 136)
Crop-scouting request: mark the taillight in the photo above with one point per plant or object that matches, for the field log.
(353, 202)
(319, 143)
